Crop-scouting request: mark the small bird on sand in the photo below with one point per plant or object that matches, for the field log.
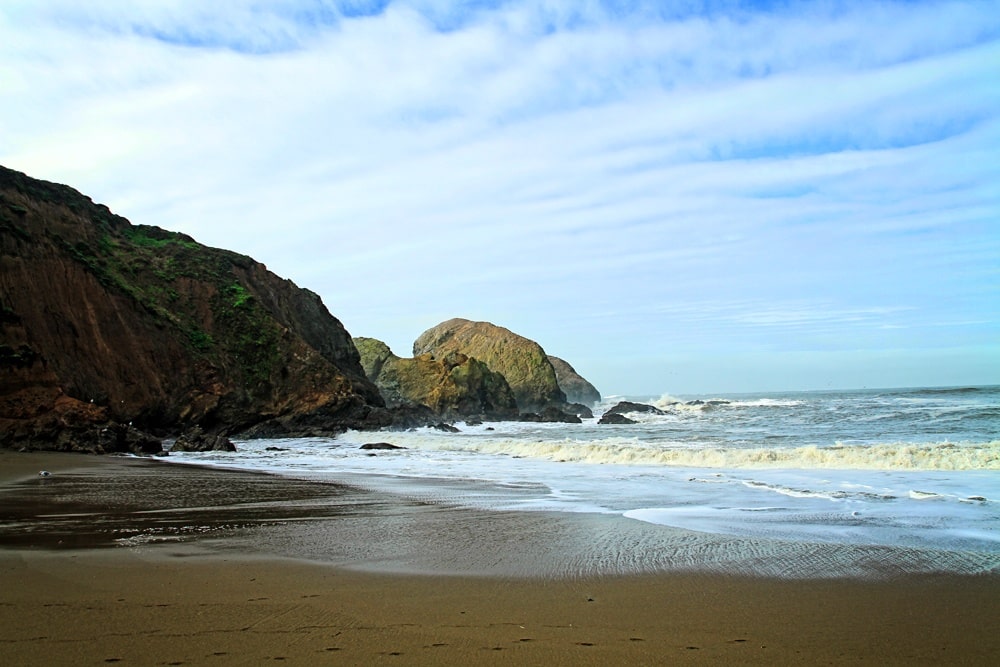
(44, 473)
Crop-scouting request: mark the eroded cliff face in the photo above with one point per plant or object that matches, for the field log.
(575, 386)
(105, 321)
(453, 387)
(520, 360)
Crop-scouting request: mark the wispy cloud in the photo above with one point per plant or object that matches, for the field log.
(542, 163)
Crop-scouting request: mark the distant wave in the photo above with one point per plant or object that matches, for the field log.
(766, 403)
(669, 403)
(944, 391)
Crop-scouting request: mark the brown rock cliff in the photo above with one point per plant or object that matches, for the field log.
(521, 361)
(453, 387)
(576, 388)
(118, 323)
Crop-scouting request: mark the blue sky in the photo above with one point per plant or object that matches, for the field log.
(676, 197)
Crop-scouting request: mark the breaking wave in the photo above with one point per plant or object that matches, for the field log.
(888, 456)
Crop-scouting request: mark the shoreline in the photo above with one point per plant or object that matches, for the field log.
(136, 606)
(229, 596)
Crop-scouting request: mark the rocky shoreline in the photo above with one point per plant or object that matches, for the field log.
(115, 336)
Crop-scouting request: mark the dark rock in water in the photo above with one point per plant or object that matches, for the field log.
(628, 406)
(615, 418)
(576, 388)
(380, 445)
(580, 410)
(408, 416)
(447, 428)
(275, 449)
(706, 405)
(196, 440)
(551, 414)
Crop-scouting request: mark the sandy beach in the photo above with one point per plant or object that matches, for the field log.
(207, 595)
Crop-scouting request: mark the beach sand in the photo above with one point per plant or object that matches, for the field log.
(216, 600)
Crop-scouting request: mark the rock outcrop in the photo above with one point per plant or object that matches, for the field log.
(576, 388)
(521, 361)
(454, 386)
(104, 323)
(616, 413)
(551, 414)
(196, 440)
(615, 418)
(624, 407)
(380, 446)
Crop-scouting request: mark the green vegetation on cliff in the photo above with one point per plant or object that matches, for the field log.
(152, 327)
(152, 266)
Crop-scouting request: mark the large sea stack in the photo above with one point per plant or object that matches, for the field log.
(521, 361)
(108, 327)
(575, 386)
(453, 387)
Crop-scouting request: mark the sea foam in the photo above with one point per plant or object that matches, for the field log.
(873, 469)
(630, 451)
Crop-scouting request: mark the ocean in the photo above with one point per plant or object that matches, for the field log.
(874, 472)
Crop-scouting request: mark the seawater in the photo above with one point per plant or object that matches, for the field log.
(901, 468)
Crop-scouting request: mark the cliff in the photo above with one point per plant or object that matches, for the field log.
(576, 388)
(453, 387)
(521, 361)
(105, 323)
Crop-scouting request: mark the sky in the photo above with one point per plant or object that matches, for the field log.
(681, 197)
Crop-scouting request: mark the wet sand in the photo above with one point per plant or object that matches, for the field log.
(212, 585)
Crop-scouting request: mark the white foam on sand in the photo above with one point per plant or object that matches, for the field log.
(905, 507)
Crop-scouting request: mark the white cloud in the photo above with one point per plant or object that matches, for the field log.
(571, 174)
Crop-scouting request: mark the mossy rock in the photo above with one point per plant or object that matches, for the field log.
(453, 387)
(521, 361)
